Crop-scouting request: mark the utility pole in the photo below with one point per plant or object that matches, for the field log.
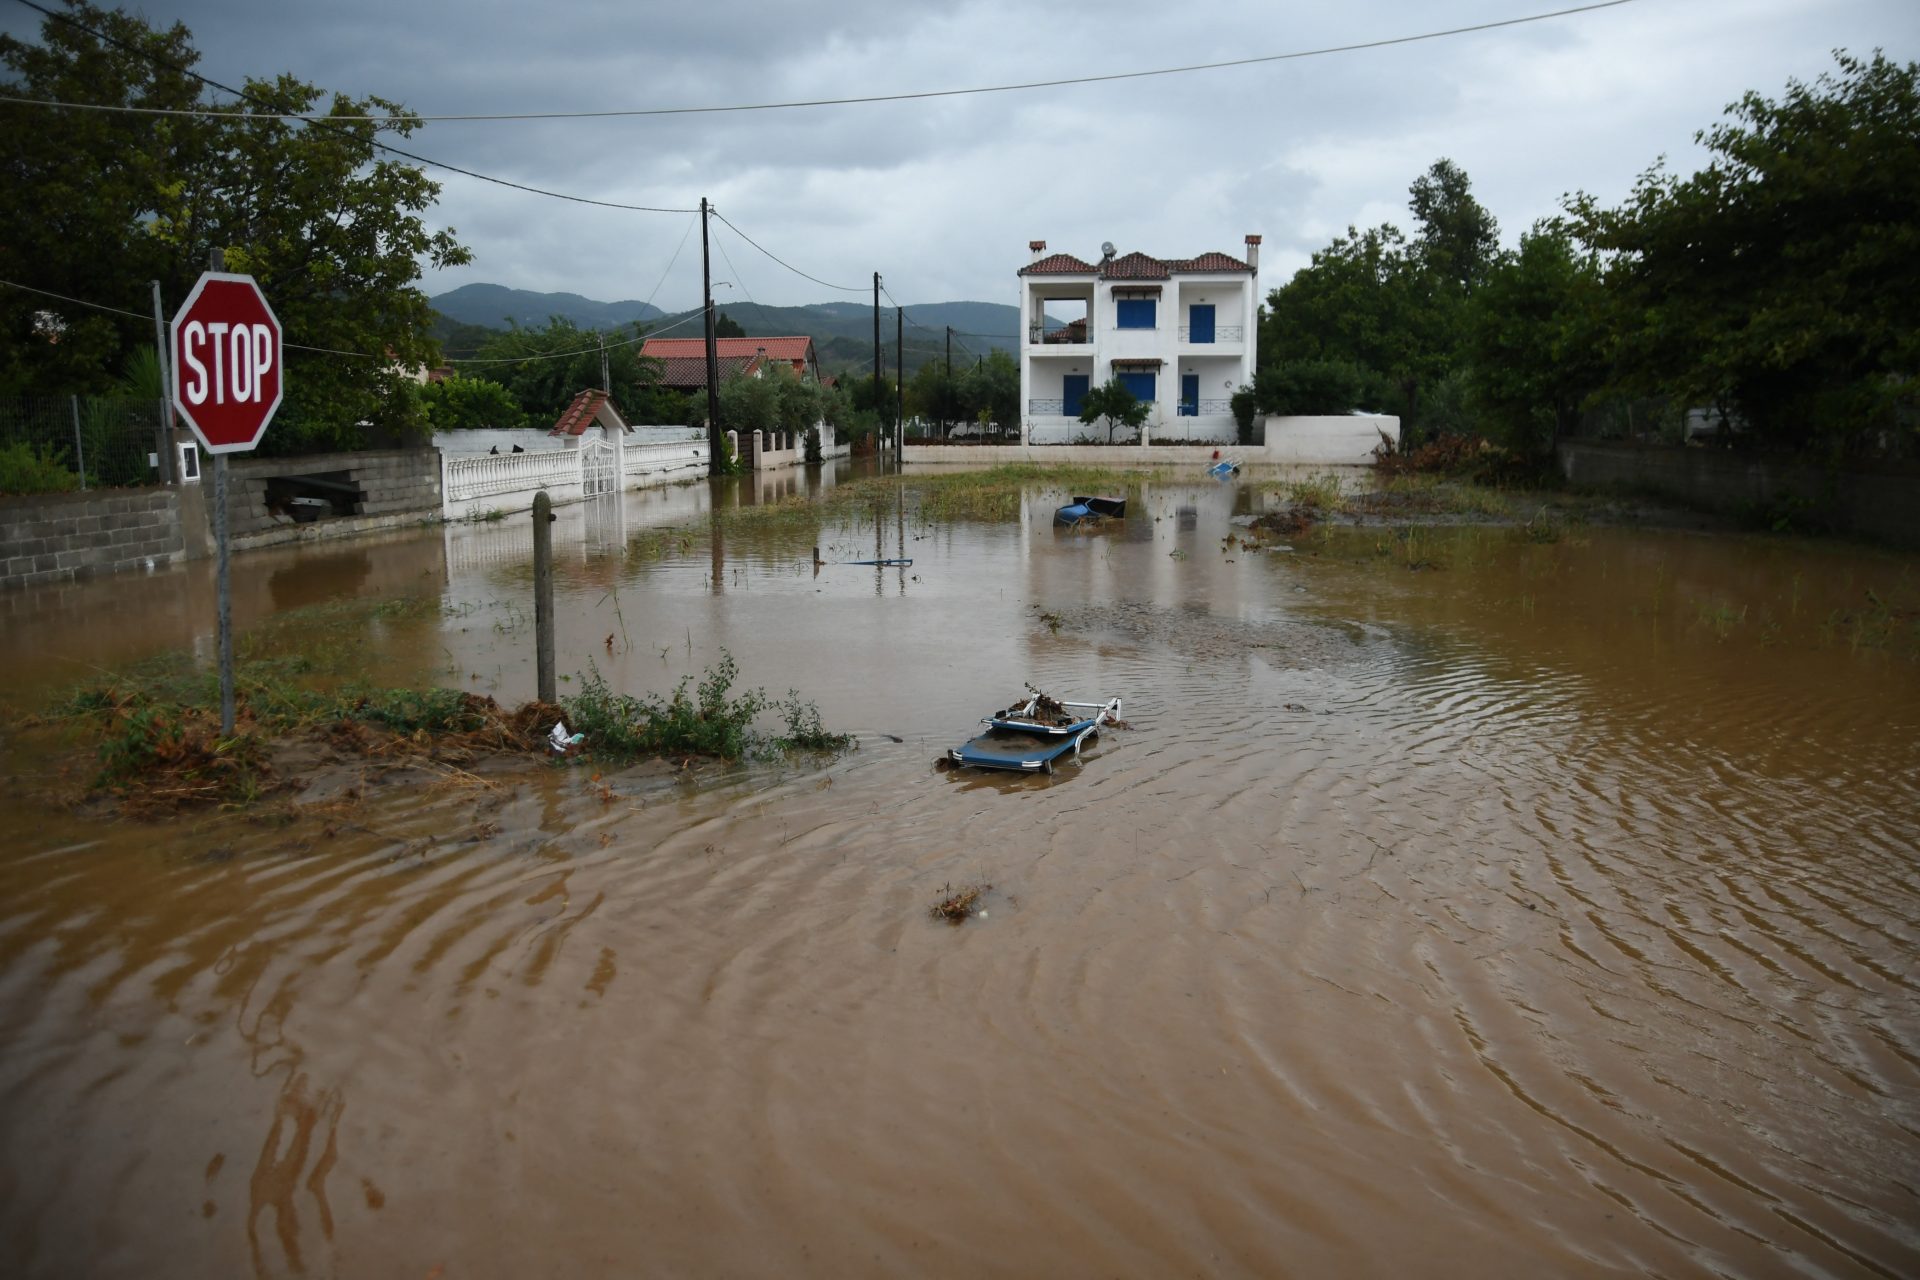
(946, 395)
(876, 355)
(716, 444)
(899, 382)
(606, 380)
(163, 434)
(222, 571)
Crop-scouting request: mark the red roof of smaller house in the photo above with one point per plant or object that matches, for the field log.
(800, 348)
(578, 416)
(686, 373)
(1135, 266)
(1058, 264)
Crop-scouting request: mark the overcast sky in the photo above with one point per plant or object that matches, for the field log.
(942, 196)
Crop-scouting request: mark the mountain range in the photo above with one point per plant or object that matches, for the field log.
(842, 332)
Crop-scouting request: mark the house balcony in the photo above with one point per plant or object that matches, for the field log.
(1219, 335)
(1203, 408)
(1073, 334)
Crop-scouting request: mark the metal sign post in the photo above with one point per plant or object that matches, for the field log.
(225, 379)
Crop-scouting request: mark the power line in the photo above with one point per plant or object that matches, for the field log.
(78, 302)
(738, 278)
(921, 95)
(364, 355)
(330, 121)
(688, 318)
(788, 265)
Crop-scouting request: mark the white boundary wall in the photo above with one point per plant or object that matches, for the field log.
(1339, 440)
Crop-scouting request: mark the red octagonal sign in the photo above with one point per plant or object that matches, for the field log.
(226, 362)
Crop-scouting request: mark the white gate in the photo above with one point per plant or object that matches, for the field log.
(599, 467)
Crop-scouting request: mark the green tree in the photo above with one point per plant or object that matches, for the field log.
(1534, 340)
(1364, 300)
(725, 326)
(545, 368)
(98, 203)
(1779, 280)
(931, 394)
(459, 404)
(1313, 387)
(1459, 241)
(1390, 305)
(863, 398)
(1113, 401)
(991, 387)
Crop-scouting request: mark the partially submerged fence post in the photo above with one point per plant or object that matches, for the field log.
(543, 594)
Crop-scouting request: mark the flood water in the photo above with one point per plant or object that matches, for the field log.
(1548, 909)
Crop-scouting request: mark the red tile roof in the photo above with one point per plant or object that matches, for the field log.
(686, 358)
(1135, 266)
(1059, 264)
(581, 414)
(800, 348)
(689, 373)
(1212, 262)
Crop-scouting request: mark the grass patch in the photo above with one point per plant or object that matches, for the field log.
(704, 719)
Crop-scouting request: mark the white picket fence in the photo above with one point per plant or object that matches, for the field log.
(473, 485)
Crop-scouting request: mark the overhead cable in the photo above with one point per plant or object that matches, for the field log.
(919, 95)
(843, 288)
(310, 118)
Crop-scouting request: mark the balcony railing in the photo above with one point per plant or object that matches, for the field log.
(1072, 335)
(1202, 408)
(1221, 333)
(1046, 408)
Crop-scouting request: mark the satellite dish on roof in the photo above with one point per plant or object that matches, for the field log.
(1106, 248)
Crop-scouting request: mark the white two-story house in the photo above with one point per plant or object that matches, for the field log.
(1179, 332)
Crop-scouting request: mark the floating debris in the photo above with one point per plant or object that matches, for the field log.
(957, 906)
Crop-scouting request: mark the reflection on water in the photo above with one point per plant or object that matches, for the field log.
(1550, 910)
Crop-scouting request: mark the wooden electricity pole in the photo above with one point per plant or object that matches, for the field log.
(716, 443)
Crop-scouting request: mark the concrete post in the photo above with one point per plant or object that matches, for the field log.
(543, 595)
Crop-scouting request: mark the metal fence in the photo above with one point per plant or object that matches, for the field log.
(50, 444)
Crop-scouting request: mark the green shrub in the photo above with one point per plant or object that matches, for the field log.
(25, 468)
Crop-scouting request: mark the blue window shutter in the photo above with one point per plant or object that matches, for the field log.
(1200, 323)
(1141, 383)
(1134, 313)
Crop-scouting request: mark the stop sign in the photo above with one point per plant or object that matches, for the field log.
(226, 362)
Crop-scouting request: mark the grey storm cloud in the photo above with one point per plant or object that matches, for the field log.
(941, 195)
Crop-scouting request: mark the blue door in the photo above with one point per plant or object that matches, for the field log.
(1200, 323)
(1189, 395)
(1073, 392)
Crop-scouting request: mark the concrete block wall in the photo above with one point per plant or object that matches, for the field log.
(393, 482)
(1883, 505)
(59, 537)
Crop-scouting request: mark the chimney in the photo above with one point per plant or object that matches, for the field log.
(1253, 253)
(1038, 248)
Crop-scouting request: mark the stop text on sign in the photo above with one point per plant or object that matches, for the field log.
(226, 362)
(241, 357)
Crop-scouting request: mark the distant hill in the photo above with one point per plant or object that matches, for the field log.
(842, 332)
(494, 305)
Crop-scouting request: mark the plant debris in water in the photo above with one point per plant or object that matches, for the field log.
(160, 749)
(958, 904)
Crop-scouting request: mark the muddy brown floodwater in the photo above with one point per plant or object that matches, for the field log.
(1548, 910)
